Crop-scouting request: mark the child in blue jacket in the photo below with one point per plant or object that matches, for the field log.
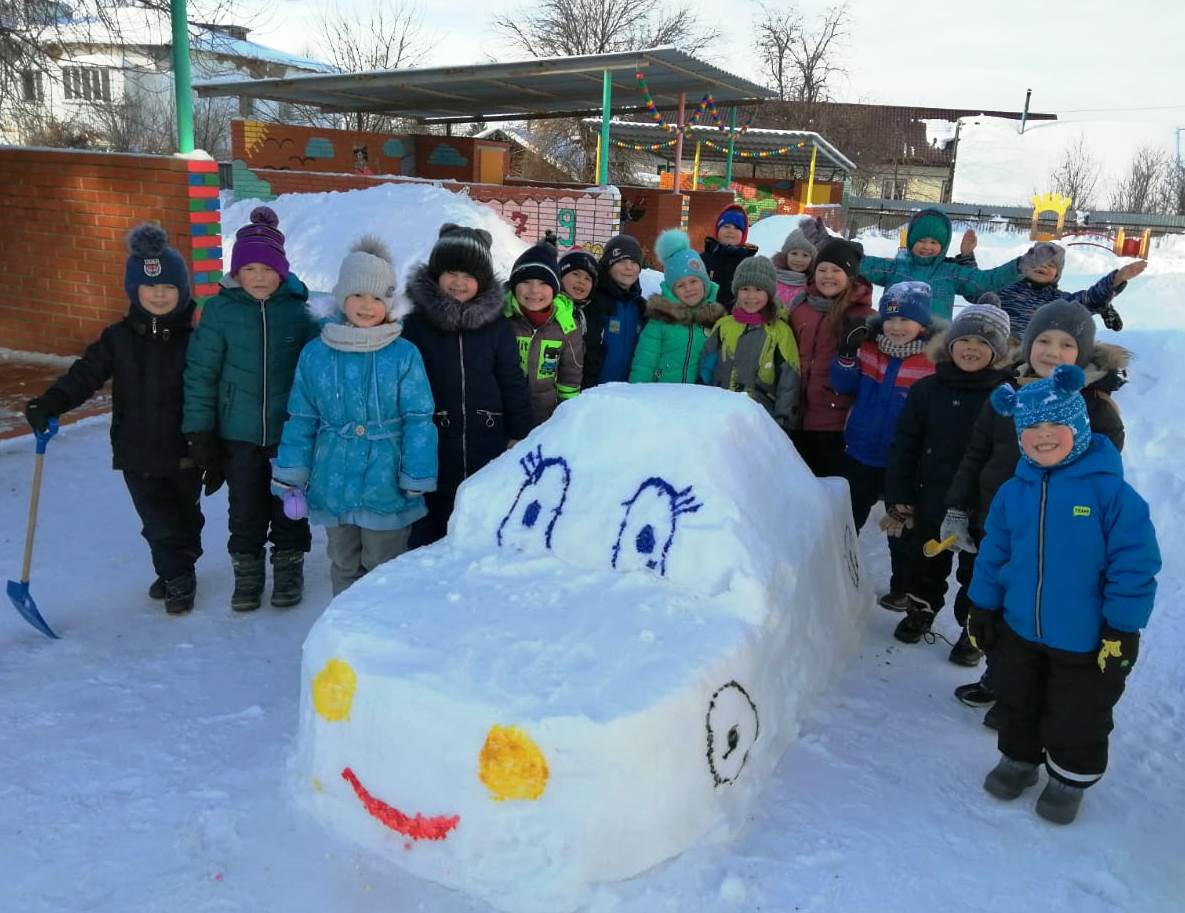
(924, 260)
(1042, 265)
(1065, 581)
(359, 448)
(877, 362)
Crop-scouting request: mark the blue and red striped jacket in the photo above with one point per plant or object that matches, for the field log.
(880, 384)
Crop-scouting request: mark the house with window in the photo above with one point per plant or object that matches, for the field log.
(109, 80)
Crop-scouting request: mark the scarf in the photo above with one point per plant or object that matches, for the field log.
(916, 347)
(538, 318)
(346, 337)
(791, 277)
(747, 318)
(820, 304)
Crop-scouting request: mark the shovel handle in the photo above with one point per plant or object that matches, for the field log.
(35, 498)
(933, 547)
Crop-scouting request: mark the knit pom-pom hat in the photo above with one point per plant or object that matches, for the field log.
(152, 262)
(260, 241)
(367, 270)
(673, 248)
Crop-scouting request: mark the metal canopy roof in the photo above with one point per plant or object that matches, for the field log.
(753, 140)
(518, 90)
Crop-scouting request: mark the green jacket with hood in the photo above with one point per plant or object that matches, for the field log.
(672, 342)
(242, 359)
(551, 356)
(945, 277)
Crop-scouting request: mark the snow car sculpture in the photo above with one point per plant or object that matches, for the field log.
(601, 664)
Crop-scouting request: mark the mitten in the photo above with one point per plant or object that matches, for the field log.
(212, 479)
(982, 627)
(1111, 318)
(296, 505)
(1118, 651)
(854, 337)
(957, 523)
(39, 411)
(897, 519)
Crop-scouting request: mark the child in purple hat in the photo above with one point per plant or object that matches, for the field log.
(238, 373)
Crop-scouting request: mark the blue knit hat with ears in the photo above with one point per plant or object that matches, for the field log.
(1055, 399)
(152, 262)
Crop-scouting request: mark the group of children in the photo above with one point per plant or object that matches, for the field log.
(365, 411)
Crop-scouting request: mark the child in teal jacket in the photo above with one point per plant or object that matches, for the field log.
(359, 447)
(679, 319)
(924, 260)
(238, 372)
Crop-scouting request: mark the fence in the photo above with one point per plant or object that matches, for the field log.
(890, 215)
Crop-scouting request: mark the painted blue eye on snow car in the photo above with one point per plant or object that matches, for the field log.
(648, 528)
(538, 504)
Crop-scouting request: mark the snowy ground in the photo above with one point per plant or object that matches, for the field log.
(143, 763)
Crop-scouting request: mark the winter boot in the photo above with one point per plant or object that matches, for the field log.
(157, 590)
(963, 653)
(976, 694)
(991, 719)
(249, 576)
(894, 602)
(1010, 778)
(287, 577)
(918, 618)
(1059, 801)
(179, 593)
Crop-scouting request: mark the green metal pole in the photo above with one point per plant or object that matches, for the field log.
(182, 81)
(732, 129)
(606, 109)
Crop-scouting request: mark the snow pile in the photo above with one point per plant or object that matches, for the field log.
(145, 756)
(996, 164)
(319, 228)
(602, 663)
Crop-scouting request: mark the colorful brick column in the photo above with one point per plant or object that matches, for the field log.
(205, 224)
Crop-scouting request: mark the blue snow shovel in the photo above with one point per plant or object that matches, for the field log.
(19, 592)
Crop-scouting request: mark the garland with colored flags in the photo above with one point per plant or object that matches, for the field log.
(764, 154)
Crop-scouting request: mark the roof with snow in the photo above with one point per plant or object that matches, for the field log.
(792, 146)
(517, 90)
(126, 26)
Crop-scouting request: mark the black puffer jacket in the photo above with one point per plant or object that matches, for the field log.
(933, 430)
(471, 356)
(143, 357)
(721, 262)
(993, 452)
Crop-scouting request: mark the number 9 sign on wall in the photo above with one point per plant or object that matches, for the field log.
(586, 219)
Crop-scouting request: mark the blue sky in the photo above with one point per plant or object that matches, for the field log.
(1087, 54)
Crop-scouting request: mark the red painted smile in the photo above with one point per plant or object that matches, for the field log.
(417, 828)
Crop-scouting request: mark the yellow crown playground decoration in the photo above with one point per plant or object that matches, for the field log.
(1049, 202)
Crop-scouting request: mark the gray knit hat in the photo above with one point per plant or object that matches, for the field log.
(367, 269)
(1041, 253)
(984, 320)
(796, 240)
(1067, 316)
(759, 272)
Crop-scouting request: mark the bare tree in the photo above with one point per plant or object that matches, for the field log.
(1172, 189)
(564, 28)
(1140, 190)
(385, 36)
(1077, 174)
(778, 35)
(813, 56)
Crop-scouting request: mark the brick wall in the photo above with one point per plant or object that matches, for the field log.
(62, 249)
